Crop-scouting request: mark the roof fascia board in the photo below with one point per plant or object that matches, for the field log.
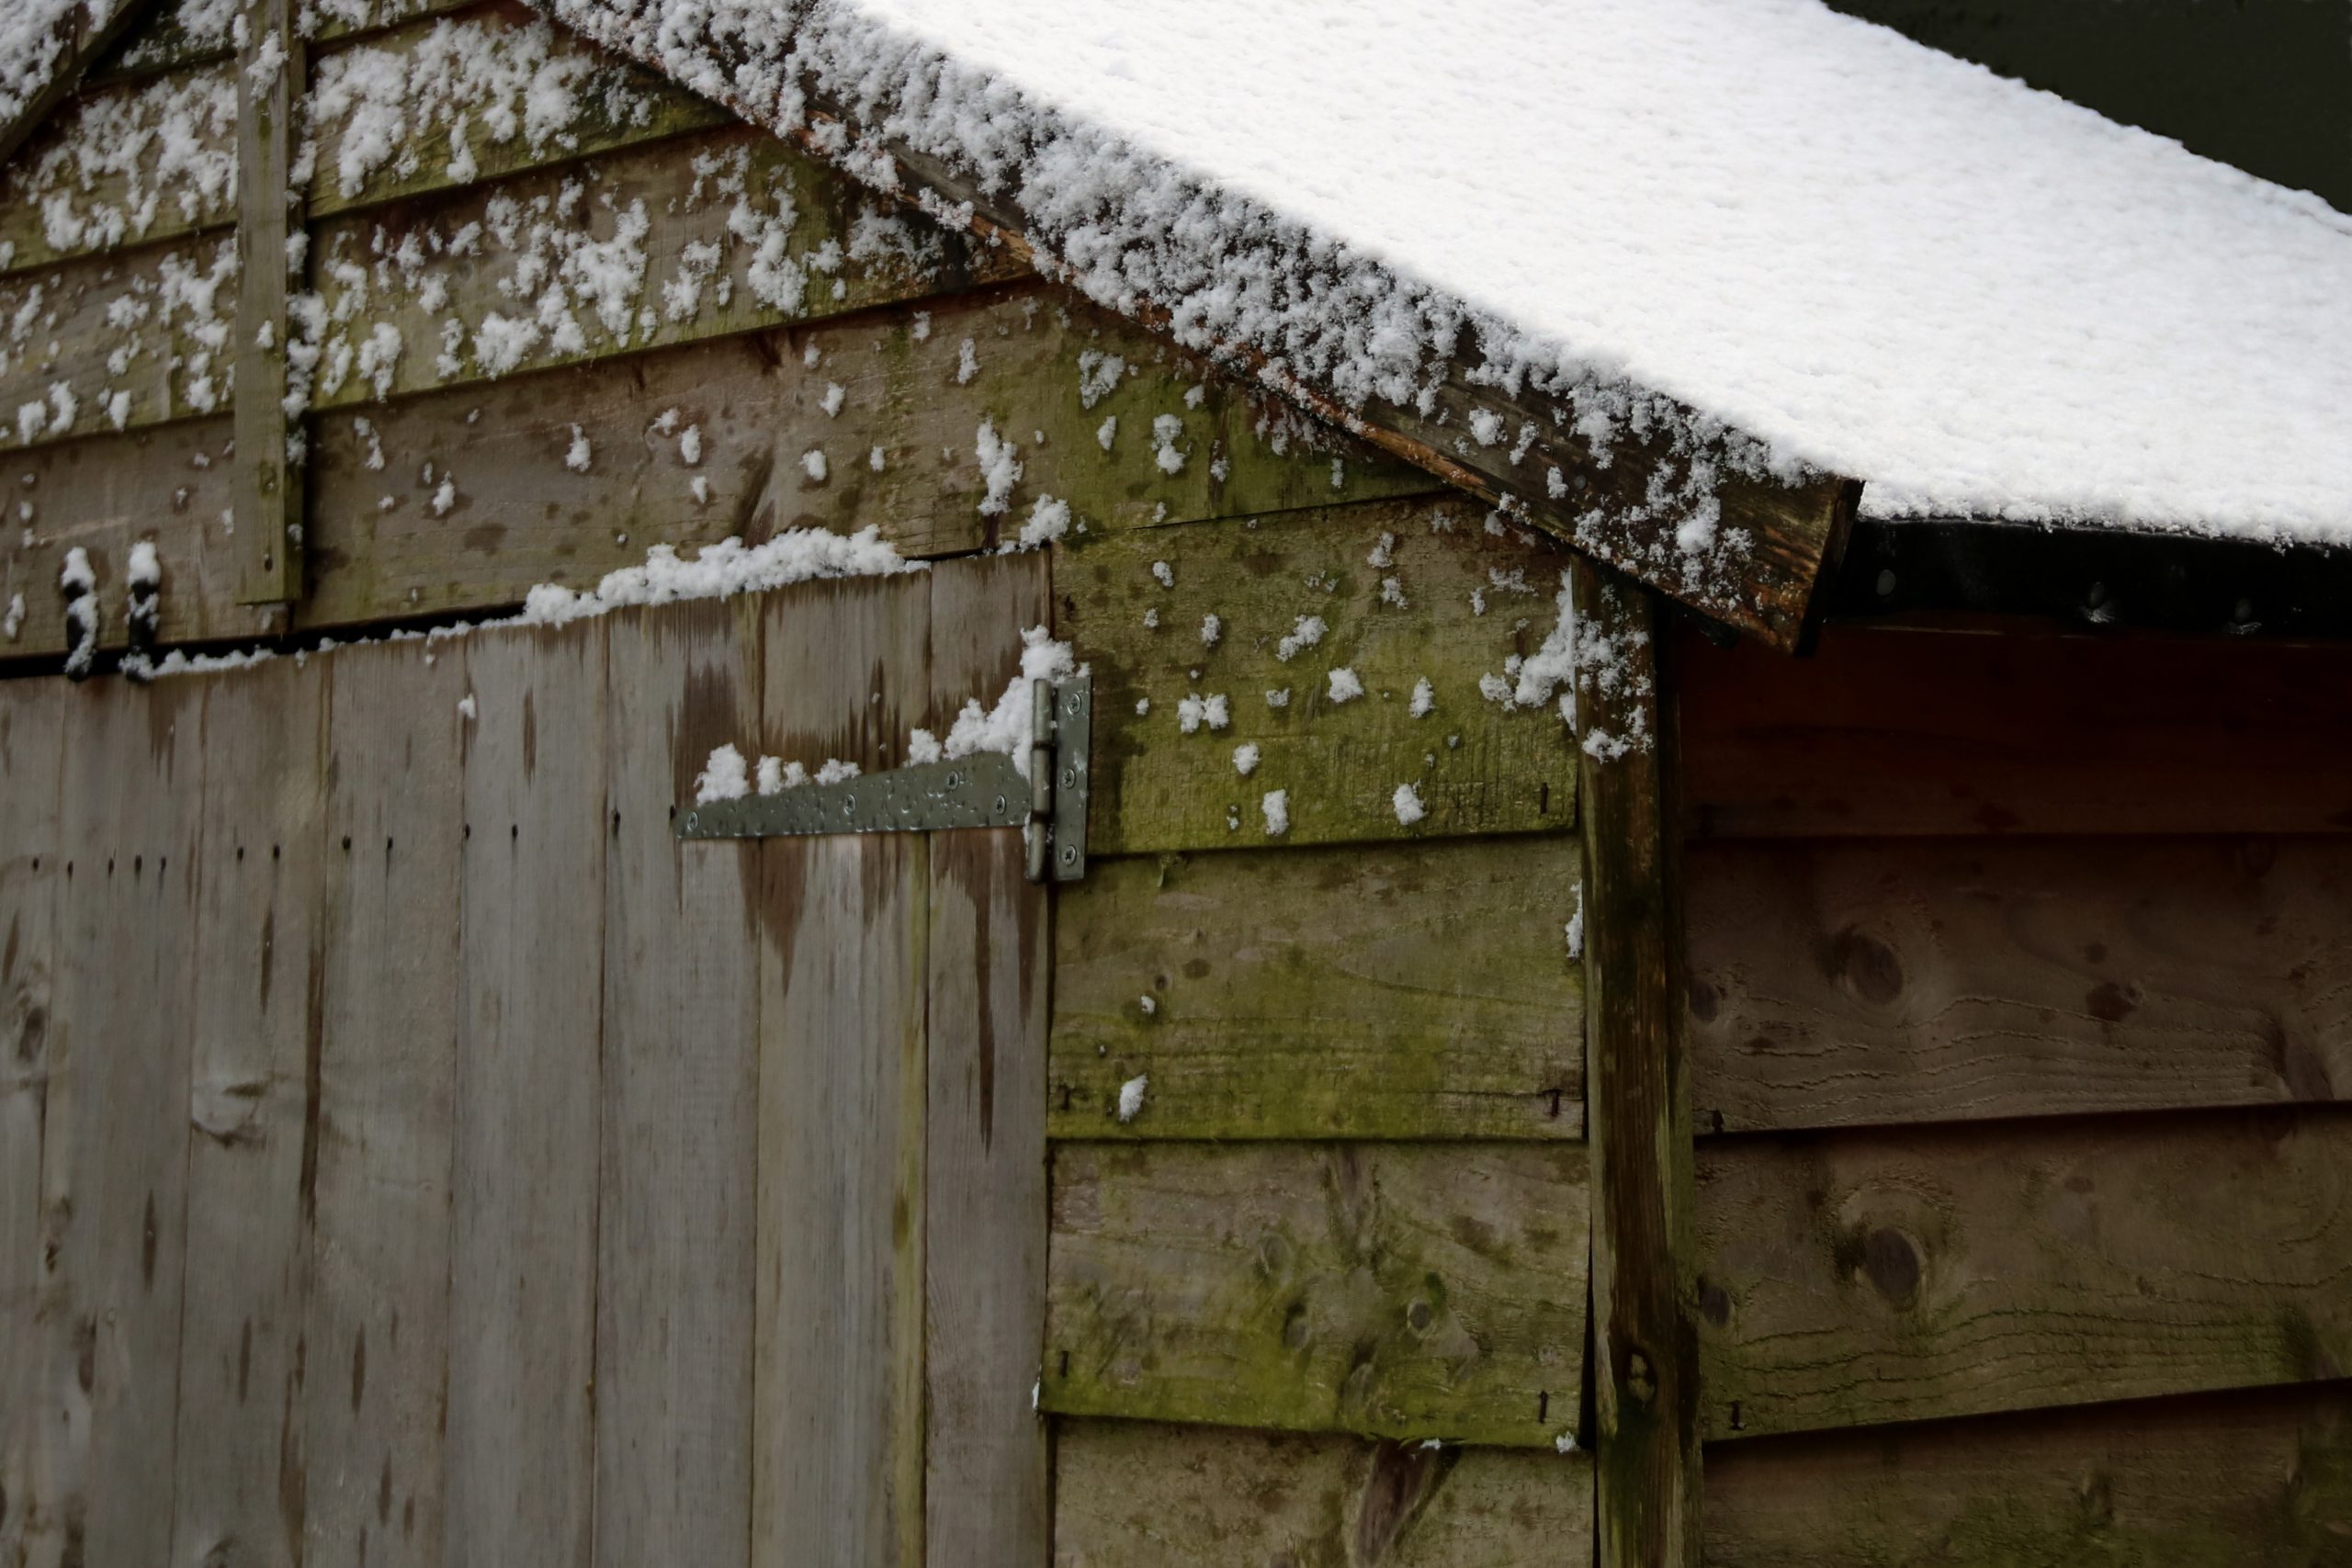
(1795, 530)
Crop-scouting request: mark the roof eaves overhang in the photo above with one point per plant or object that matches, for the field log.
(2092, 579)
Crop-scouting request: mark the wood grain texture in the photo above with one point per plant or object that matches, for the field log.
(170, 485)
(258, 947)
(272, 65)
(383, 1084)
(1867, 1276)
(165, 313)
(1477, 767)
(1850, 981)
(1925, 732)
(1646, 1363)
(1141, 1494)
(583, 100)
(31, 871)
(837, 1423)
(734, 230)
(2233, 1481)
(115, 1134)
(523, 1251)
(679, 1148)
(1321, 993)
(1393, 1290)
(99, 174)
(990, 955)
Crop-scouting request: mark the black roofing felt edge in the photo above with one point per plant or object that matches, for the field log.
(2091, 578)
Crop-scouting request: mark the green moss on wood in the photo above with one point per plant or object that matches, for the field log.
(1463, 603)
(1402, 1291)
(1323, 993)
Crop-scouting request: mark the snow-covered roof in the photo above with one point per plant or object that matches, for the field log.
(1869, 257)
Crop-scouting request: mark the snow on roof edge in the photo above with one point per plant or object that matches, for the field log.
(1219, 272)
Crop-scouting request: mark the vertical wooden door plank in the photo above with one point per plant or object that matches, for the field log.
(680, 1142)
(522, 1252)
(837, 1456)
(270, 70)
(984, 1191)
(1645, 1338)
(115, 1144)
(257, 944)
(30, 874)
(381, 1089)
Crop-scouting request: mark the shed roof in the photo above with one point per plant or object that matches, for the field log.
(1871, 257)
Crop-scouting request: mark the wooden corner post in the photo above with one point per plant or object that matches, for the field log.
(1645, 1362)
(269, 494)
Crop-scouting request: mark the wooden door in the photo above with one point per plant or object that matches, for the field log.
(412, 1152)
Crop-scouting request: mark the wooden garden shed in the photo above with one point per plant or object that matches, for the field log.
(1282, 786)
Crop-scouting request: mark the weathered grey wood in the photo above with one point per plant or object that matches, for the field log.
(523, 1250)
(737, 233)
(985, 1484)
(1324, 992)
(272, 64)
(2237, 1480)
(115, 1133)
(84, 33)
(1409, 1291)
(1888, 731)
(837, 1436)
(258, 952)
(1883, 1275)
(170, 485)
(678, 1160)
(1159, 788)
(1843, 982)
(176, 334)
(378, 1168)
(1139, 1495)
(173, 35)
(593, 101)
(101, 174)
(31, 871)
(1646, 1363)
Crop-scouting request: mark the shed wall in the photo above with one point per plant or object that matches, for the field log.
(2019, 1048)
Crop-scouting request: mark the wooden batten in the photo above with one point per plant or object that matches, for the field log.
(1646, 1365)
(268, 507)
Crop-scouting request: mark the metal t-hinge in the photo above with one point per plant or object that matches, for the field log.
(984, 790)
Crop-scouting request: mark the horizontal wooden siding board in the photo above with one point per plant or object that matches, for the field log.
(1323, 993)
(1404, 1290)
(1901, 1274)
